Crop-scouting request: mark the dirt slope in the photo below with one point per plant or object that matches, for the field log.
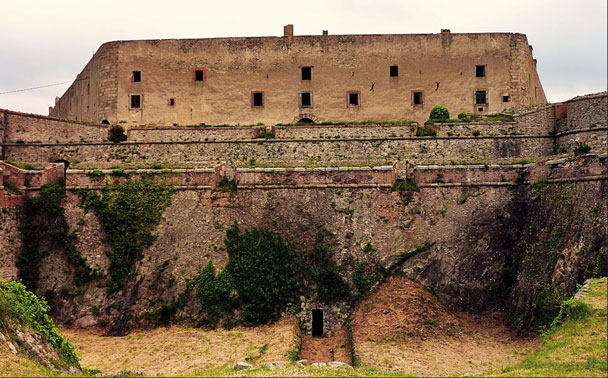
(319, 349)
(401, 326)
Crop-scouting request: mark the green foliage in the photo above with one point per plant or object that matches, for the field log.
(265, 135)
(226, 186)
(295, 352)
(363, 279)
(423, 131)
(166, 312)
(265, 271)
(572, 309)
(581, 148)
(119, 172)
(16, 302)
(215, 292)
(356, 361)
(463, 116)
(44, 229)
(29, 167)
(95, 172)
(439, 114)
(404, 185)
(539, 187)
(117, 134)
(476, 133)
(323, 272)
(128, 213)
(498, 117)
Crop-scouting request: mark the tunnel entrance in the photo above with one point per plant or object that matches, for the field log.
(306, 120)
(317, 323)
(66, 164)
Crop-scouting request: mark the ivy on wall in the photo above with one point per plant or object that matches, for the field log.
(128, 213)
(44, 230)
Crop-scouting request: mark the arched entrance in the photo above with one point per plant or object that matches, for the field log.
(305, 118)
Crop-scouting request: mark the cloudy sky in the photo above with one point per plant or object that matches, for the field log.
(46, 42)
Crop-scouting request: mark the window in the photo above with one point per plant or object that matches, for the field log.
(136, 76)
(199, 74)
(306, 73)
(480, 97)
(353, 98)
(257, 99)
(417, 98)
(135, 101)
(505, 98)
(305, 99)
(394, 71)
(480, 71)
(171, 102)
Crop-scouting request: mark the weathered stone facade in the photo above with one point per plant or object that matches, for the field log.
(440, 68)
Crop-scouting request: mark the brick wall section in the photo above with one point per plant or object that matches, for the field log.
(32, 128)
(303, 177)
(178, 178)
(24, 181)
(433, 175)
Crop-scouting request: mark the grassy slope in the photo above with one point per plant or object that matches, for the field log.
(20, 366)
(576, 348)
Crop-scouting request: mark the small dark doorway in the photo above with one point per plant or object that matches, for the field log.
(66, 164)
(317, 323)
(306, 120)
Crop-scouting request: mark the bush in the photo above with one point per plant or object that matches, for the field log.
(215, 292)
(439, 114)
(117, 134)
(266, 273)
(581, 148)
(423, 131)
(19, 303)
(463, 116)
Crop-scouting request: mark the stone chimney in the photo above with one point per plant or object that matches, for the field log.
(325, 32)
(288, 30)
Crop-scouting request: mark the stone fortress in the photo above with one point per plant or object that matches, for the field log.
(341, 174)
(293, 79)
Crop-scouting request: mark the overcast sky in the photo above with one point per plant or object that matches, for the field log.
(46, 42)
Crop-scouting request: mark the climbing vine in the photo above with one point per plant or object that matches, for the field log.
(44, 229)
(128, 213)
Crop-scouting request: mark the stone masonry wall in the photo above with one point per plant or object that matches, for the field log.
(289, 153)
(585, 112)
(31, 128)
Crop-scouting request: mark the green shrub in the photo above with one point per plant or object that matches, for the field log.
(117, 134)
(119, 172)
(215, 292)
(128, 213)
(95, 172)
(476, 133)
(226, 186)
(265, 271)
(404, 185)
(16, 302)
(581, 148)
(463, 116)
(265, 135)
(439, 114)
(423, 131)
(363, 279)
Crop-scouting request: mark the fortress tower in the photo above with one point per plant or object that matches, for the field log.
(302, 78)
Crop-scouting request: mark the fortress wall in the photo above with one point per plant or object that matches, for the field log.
(303, 177)
(93, 95)
(191, 134)
(434, 175)
(585, 112)
(286, 152)
(442, 66)
(540, 120)
(32, 128)
(596, 138)
(488, 129)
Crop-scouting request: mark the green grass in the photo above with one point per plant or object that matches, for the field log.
(293, 370)
(576, 347)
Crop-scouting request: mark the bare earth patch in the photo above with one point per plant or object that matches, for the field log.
(403, 327)
(182, 351)
(319, 349)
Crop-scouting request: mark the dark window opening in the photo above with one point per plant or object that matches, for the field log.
(136, 76)
(480, 71)
(199, 75)
(171, 101)
(306, 73)
(418, 98)
(505, 98)
(105, 122)
(135, 101)
(480, 109)
(306, 120)
(480, 97)
(317, 323)
(394, 71)
(306, 99)
(353, 99)
(257, 99)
